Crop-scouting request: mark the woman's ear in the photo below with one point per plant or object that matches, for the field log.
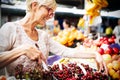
(34, 6)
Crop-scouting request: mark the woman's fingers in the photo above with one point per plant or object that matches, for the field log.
(101, 64)
(39, 60)
(43, 58)
(102, 67)
(105, 67)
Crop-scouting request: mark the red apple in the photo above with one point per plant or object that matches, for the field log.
(101, 51)
(115, 50)
(108, 50)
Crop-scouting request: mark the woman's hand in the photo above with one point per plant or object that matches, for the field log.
(33, 53)
(101, 63)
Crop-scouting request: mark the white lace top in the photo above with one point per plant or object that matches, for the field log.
(12, 35)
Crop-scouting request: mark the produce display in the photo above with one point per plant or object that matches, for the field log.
(77, 69)
(70, 71)
(73, 71)
(32, 74)
(109, 50)
(68, 37)
(114, 67)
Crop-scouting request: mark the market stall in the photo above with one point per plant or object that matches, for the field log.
(64, 68)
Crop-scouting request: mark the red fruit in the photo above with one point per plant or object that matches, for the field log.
(106, 41)
(115, 50)
(105, 38)
(98, 43)
(111, 40)
(108, 50)
(113, 37)
(101, 38)
(60, 75)
(101, 50)
(73, 78)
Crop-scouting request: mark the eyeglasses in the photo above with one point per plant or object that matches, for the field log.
(50, 11)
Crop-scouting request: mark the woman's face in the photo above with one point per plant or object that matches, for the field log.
(43, 13)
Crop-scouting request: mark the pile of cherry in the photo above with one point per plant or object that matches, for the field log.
(36, 73)
(70, 71)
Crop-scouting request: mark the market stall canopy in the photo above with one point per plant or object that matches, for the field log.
(113, 4)
(64, 6)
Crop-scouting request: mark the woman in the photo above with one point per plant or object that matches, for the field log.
(22, 43)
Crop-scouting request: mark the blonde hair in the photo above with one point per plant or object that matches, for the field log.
(50, 3)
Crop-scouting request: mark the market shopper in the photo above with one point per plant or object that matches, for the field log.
(22, 43)
(56, 28)
(66, 24)
(116, 32)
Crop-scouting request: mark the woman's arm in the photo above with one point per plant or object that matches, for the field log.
(29, 50)
(59, 49)
(77, 53)
(9, 56)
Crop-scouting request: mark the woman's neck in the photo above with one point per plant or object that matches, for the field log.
(28, 23)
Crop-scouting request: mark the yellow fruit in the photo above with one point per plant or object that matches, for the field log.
(111, 72)
(107, 57)
(63, 40)
(116, 65)
(116, 75)
(109, 66)
(71, 37)
(70, 43)
(73, 29)
(60, 34)
(66, 33)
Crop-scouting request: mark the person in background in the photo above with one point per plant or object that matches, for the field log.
(56, 28)
(66, 24)
(22, 43)
(73, 25)
(116, 32)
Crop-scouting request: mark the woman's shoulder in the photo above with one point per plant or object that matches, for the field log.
(8, 25)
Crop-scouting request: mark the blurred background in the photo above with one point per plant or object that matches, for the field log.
(72, 10)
